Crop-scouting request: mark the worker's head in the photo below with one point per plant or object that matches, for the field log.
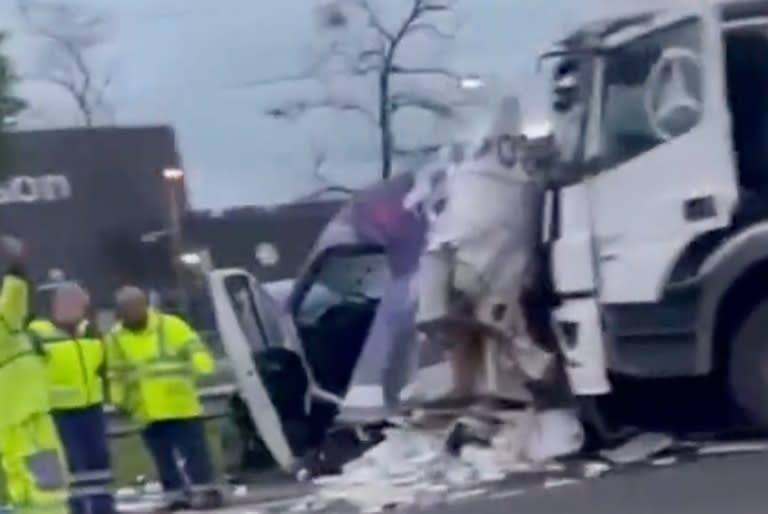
(132, 307)
(69, 304)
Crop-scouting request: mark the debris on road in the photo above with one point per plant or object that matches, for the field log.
(639, 448)
(412, 467)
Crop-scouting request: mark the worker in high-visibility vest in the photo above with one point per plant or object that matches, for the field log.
(74, 354)
(30, 451)
(153, 361)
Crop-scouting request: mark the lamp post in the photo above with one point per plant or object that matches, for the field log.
(174, 181)
(470, 82)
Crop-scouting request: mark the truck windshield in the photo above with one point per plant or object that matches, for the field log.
(652, 91)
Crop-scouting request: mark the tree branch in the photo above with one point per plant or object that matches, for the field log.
(400, 101)
(70, 34)
(374, 21)
(401, 70)
(431, 28)
(295, 109)
(416, 11)
(417, 151)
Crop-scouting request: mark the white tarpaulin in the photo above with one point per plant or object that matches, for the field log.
(487, 206)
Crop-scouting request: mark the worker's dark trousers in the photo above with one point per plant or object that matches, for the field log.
(180, 451)
(83, 433)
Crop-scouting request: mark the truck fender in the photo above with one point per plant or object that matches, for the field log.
(731, 260)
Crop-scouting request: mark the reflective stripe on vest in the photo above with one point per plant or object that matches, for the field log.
(46, 470)
(63, 395)
(159, 369)
(164, 366)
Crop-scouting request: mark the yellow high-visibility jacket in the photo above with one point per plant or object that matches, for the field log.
(152, 373)
(74, 362)
(22, 371)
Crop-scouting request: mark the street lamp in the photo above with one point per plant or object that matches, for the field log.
(191, 259)
(471, 82)
(174, 179)
(173, 174)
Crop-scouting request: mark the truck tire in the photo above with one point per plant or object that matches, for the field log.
(748, 366)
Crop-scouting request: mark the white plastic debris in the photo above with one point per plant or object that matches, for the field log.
(127, 492)
(554, 433)
(595, 469)
(411, 467)
(153, 488)
(639, 448)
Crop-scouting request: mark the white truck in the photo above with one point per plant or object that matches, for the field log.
(658, 232)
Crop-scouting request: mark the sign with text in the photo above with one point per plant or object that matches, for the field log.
(35, 189)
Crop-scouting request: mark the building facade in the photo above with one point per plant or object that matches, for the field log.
(83, 198)
(271, 243)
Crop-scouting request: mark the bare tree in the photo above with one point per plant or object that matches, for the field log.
(375, 53)
(70, 32)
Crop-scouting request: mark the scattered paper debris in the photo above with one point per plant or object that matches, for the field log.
(594, 469)
(664, 461)
(639, 448)
(411, 466)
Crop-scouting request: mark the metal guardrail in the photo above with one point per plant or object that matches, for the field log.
(215, 403)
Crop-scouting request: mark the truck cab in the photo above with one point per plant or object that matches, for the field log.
(657, 223)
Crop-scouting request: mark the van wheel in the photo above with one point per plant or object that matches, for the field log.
(748, 367)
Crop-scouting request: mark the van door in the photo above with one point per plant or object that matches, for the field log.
(667, 168)
(250, 325)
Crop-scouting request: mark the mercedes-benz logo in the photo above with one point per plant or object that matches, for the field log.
(673, 100)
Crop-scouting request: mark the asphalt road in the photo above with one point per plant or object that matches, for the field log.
(728, 485)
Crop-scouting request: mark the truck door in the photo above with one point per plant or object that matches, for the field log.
(249, 325)
(567, 228)
(667, 169)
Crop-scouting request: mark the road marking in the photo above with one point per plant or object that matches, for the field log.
(506, 494)
(728, 448)
(551, 483)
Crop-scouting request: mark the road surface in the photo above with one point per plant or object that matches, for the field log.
(716, 485)
(728, 485)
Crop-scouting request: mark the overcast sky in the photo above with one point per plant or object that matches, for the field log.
(188, 63)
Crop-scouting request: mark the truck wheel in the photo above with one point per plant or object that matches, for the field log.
(748, 367)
